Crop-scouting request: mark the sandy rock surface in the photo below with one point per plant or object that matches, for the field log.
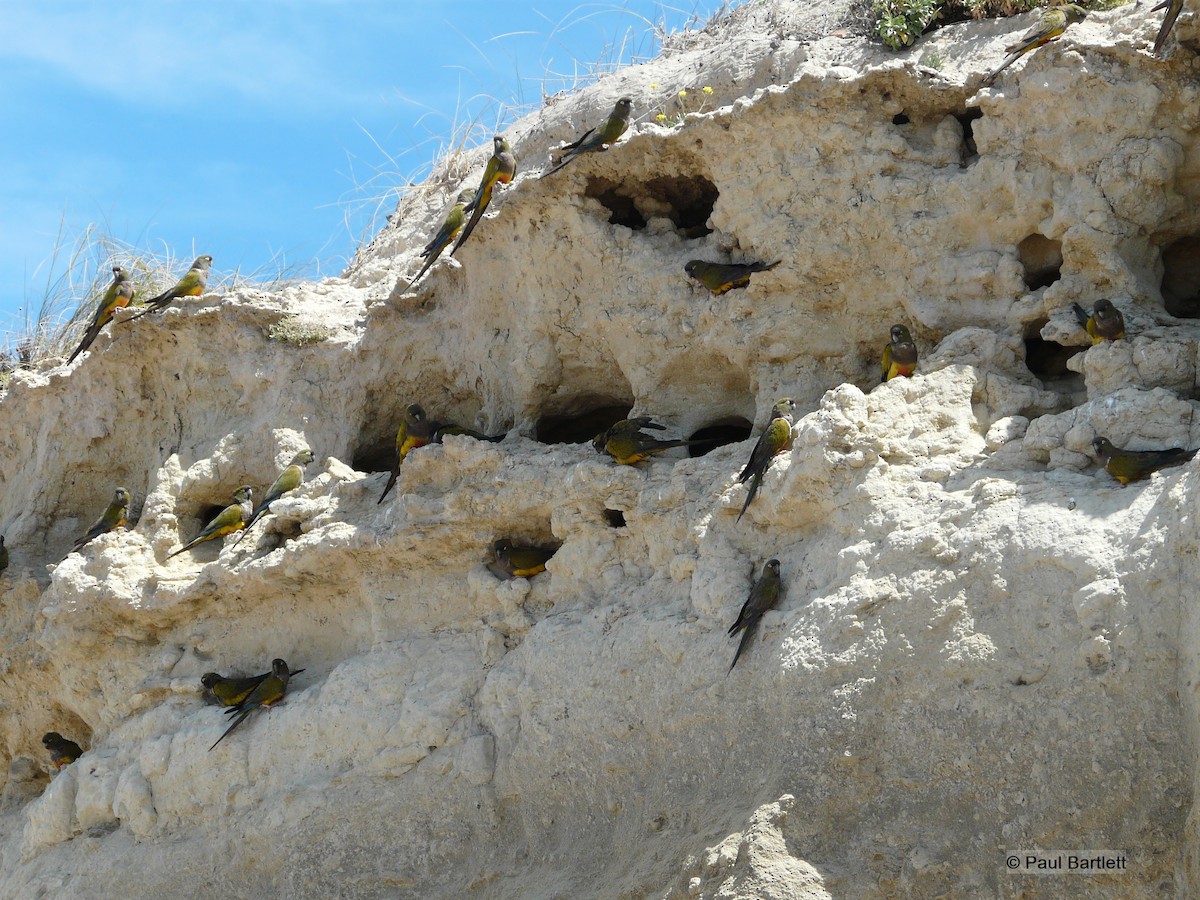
(986, 646)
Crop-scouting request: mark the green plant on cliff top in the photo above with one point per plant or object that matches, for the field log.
(676, 108)
(299, 331)
(900, 22)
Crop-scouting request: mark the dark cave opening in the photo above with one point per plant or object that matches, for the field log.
(1041, 259)
(970, 152)
(730, 430)
(615, 518)
(687, 200)
(1181, 278)
(580, 419)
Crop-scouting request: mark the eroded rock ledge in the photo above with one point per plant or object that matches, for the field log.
(986, 646)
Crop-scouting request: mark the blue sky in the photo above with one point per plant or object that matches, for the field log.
(263, 132)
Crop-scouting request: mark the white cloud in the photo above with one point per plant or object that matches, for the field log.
(177, 55)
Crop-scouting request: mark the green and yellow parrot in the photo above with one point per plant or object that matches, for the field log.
(899, 356)
(593, 140)
(626, 444)
(520, 562)
(1104, 324)
(232, 691)
(722, 277)
(1054, 21)
(118, 295)
(3, 554)
(763, 596)
(270, 690)
(771, 442)
(190, 285)
(62, 751)
(1173, 8)
(113, 517)
(500, 170)
(1132, 465)
(232, 518)
(449, 231)
(415, 431)
(289, 479)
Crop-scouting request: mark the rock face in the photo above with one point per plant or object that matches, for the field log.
(986, 646)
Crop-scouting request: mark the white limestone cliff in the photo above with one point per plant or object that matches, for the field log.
(986, 646)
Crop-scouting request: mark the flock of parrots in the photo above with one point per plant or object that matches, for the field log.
(627, 441)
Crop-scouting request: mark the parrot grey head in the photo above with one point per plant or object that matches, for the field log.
(502, 545)
(210, 679)
(784, 408)
(1104, 311)
(121, 495)
(693, 266)
(303, 458)
(202, 262)
(1104, 447)
(623, 107)
(280, 670)
(900, 335)
(243, 494)
(465, 197)
(500, 145)
(771, 568)
(414, 412)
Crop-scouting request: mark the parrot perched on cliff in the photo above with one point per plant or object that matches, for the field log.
(500, 170)
(190, 285)
(900, 355)
(289, 479)
(1053, 22)
(1173, 8)
(232, 691)
(593, 140)
(232, 518)
(763, 596)
(3, 554)
(626, 444)
(1104, 324)
(417, 430)
(270, 690)
(722, 277)
(113, 517)
(451, 226)
(520, 562)
(1131, 465)
(773, 441)
(119, 294)
(62, 751)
